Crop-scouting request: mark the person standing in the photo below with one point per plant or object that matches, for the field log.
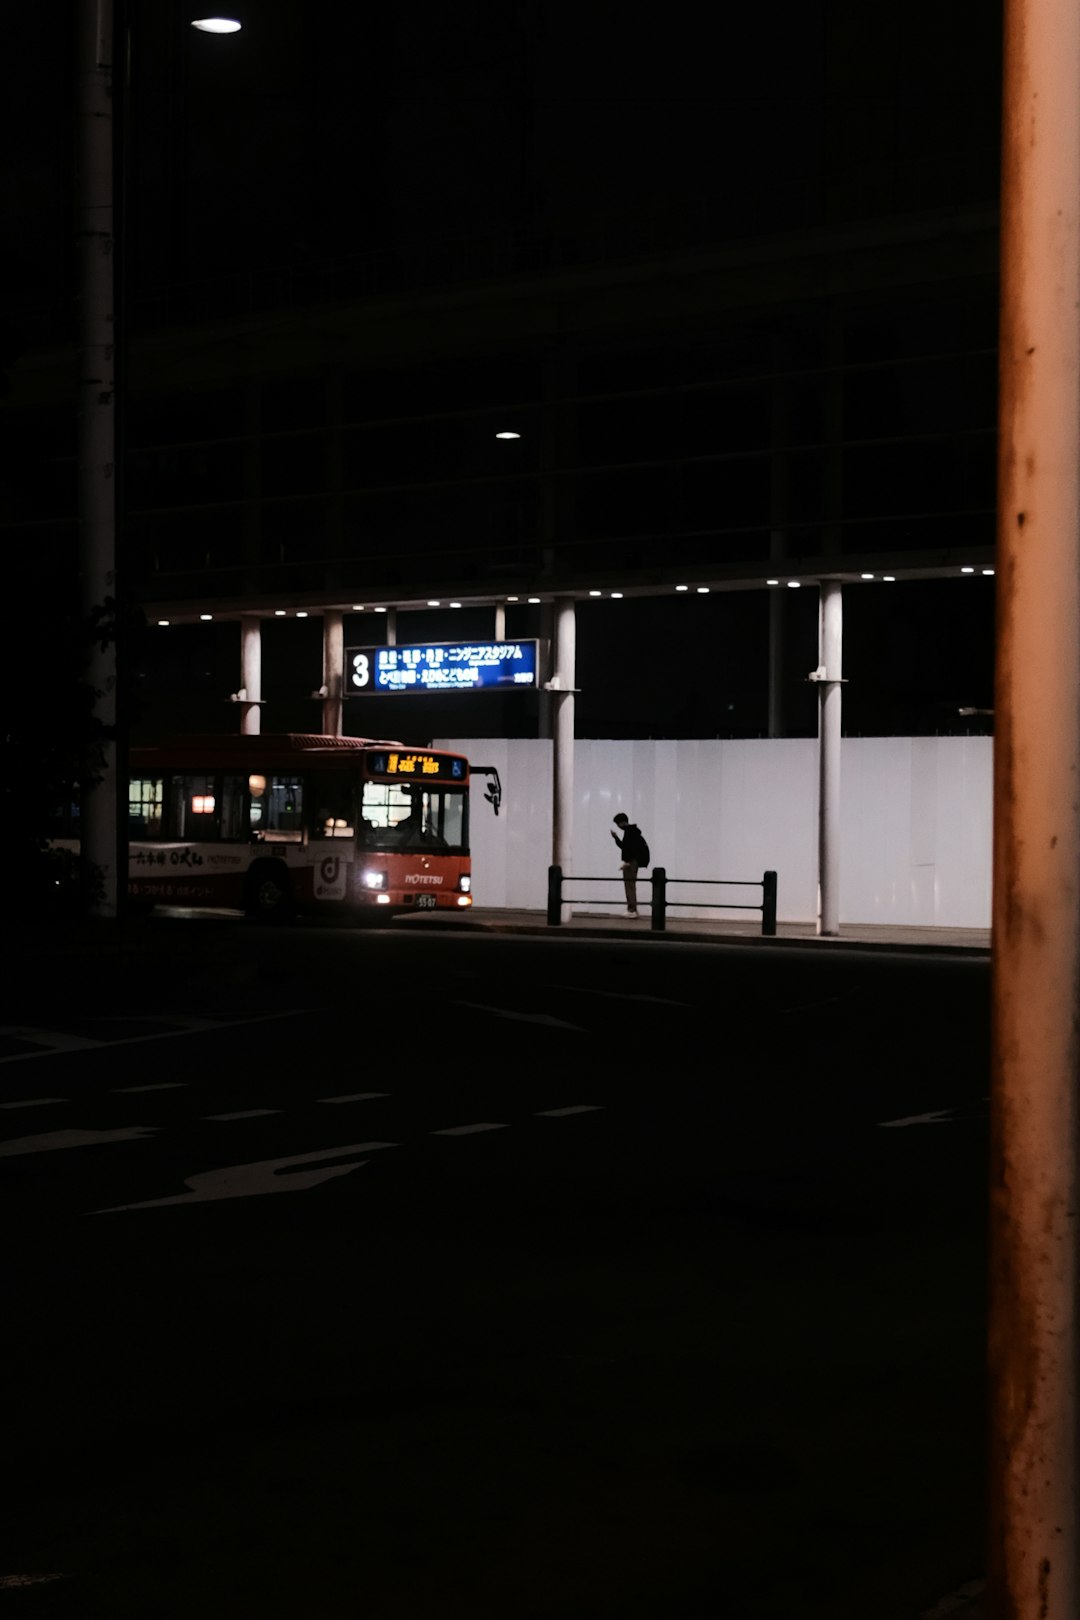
(635, 854)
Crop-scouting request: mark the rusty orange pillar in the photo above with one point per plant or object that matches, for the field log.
(1034, 1530)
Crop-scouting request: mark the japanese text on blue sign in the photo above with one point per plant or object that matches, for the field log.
(446, 666)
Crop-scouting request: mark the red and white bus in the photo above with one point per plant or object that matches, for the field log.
(275, 824)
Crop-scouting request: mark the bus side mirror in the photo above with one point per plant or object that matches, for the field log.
(493, 791)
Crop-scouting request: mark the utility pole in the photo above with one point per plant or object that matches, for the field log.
(99, 805)
(1034, 1533)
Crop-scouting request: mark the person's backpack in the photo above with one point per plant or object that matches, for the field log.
(642, 855)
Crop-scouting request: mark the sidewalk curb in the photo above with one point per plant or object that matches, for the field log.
(586, 928)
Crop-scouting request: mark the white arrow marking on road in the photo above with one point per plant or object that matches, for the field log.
(941, 1117)
(53, 1141)
(262, 1176)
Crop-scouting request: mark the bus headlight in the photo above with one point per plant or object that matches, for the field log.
(374, 880)
(465, 883)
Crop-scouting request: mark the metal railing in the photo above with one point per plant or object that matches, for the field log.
(660, 883)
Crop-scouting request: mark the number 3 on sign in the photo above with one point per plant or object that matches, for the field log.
(361, 674)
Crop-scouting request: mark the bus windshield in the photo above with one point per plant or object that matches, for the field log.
(404, 815)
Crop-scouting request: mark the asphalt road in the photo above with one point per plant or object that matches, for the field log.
(440, 1274)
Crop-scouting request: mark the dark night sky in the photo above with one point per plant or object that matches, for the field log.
(333, 130)
(337, 128)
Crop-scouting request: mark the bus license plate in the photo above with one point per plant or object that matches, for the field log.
(425, 902)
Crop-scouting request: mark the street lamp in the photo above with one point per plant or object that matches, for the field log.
(103, 810)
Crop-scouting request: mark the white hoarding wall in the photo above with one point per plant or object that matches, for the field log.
(915, 823)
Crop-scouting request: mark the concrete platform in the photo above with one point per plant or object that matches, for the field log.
(867, 935)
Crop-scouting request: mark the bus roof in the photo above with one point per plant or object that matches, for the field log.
(270, 749)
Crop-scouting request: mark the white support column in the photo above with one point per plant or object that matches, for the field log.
(500, 622)
(250, 692)
(563, 693)
(829, 675)
(333, 672)
(547, 670)
(1034, 1355)
(391, 626)
(777, 631)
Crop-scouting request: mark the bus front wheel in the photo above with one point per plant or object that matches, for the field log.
(268, 896)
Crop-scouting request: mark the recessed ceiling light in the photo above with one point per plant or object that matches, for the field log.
(380, 610)
(596, 593)
(988, 570)
(164, 621)
(205, 616)
(772, 582)
(682, 587)
(793, 584)
(513, 599)
(455, 604)
(508, 435)
(967, 570)
(279, 613)
(890, 579)
(301, 613)
(358, 607)
(434, 604)
(866, 576)
(703, 590)
(217, 25)
(534, 599)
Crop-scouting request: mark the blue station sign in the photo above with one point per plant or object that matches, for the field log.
(442, 666)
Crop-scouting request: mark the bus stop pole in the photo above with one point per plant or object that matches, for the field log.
(1034, 1355)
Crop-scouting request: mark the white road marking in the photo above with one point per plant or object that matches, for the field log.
(467, 1130)
(261, 1177)
(54, 1141)
(941, 1117)
(243, 1113)
(354, 1096)
(159, 1085)
(35, 1102)
(519, 1017)
(620, 995)
(578, 1108)
(50, 1042)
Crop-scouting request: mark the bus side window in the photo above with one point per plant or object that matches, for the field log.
(146, 797)
(276, 814)
(194, 810)
(233, 798)
(331, 798)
